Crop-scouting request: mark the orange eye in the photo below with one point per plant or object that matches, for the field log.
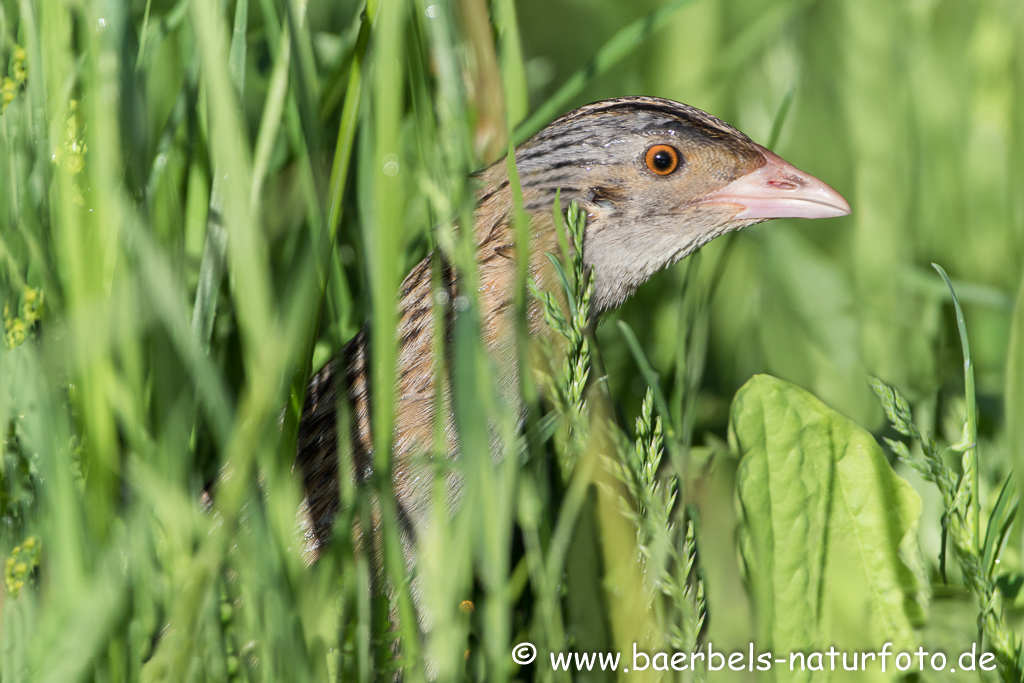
(662, 159)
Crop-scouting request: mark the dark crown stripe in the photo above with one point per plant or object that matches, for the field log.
(701, 120)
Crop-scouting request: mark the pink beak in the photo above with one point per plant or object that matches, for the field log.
(779, 190)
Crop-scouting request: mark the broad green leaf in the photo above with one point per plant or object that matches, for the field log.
(829, 532)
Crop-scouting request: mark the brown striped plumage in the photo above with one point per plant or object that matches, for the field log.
(639, 222)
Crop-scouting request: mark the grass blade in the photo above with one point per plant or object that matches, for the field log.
(621, 44)
(236, 53)
(211, 269)
(336, 191)
(970, 436)
(651, 377)
(1015, 388)
(999, 522)
(780, 117)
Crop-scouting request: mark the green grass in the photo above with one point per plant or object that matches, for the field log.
(202, 201)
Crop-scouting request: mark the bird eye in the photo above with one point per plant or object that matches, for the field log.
(662, 159)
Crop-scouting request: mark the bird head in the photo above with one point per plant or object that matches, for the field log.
(658, 179)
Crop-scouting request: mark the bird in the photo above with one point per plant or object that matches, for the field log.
(657, 180)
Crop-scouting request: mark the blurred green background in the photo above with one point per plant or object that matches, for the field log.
(143, 358)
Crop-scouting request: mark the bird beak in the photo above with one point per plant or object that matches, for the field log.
(778, 189)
